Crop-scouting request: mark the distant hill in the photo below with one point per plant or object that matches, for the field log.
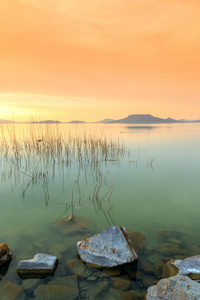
(195, 121)
(56, 122)
(45, 122)
(144, 119)
(106, 121)
(170, 120)
(76, 122)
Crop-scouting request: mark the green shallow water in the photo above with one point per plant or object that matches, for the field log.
(156, 186)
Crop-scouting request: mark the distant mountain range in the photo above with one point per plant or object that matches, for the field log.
(76, 122)
(131, 119)
(105, 121)
(145, 119)
(45, 122)
(55, 122)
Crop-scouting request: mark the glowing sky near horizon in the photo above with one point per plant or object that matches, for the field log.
(95, 59)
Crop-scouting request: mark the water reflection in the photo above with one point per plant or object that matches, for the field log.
(141, 127)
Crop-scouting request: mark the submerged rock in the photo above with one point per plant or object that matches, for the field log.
(74, 225)
(78, 268)
(110, 248)
(5, 254)
(29, 285)
(9, 270)
(169, 269)
(148, 280)
(174, 288)
(153, 258)
(158, 269)
(175, 241)
(125, 295)
(188, 265)
(121, 283)
(55, 292)
(170, 235)
(11, 291)
(172, 251)
(69, 280)
(111, 272)
(137, 239)
(146, 268)
(40, 265)
(100, 290)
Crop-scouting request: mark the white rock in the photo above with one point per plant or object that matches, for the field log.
(174, 288)
(188, 265)
(110, 248)
(39, 264)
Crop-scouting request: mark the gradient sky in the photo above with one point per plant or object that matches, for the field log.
(93, 59)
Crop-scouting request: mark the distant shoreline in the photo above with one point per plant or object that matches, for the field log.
(131, 119)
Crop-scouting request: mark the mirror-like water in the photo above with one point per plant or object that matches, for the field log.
(144, 179)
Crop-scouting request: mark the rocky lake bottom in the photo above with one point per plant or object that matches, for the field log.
(75, 280)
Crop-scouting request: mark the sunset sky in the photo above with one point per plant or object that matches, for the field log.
(94, 59)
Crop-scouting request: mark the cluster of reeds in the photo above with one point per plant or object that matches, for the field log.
(41, 152)
(48, 144)
(38, 151)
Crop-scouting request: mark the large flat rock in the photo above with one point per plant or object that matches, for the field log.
(178, 287)
(110, 248)
(40, 264)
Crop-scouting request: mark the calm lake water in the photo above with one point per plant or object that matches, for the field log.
(153, 184)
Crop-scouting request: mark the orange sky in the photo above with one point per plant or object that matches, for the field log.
(94, 59)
